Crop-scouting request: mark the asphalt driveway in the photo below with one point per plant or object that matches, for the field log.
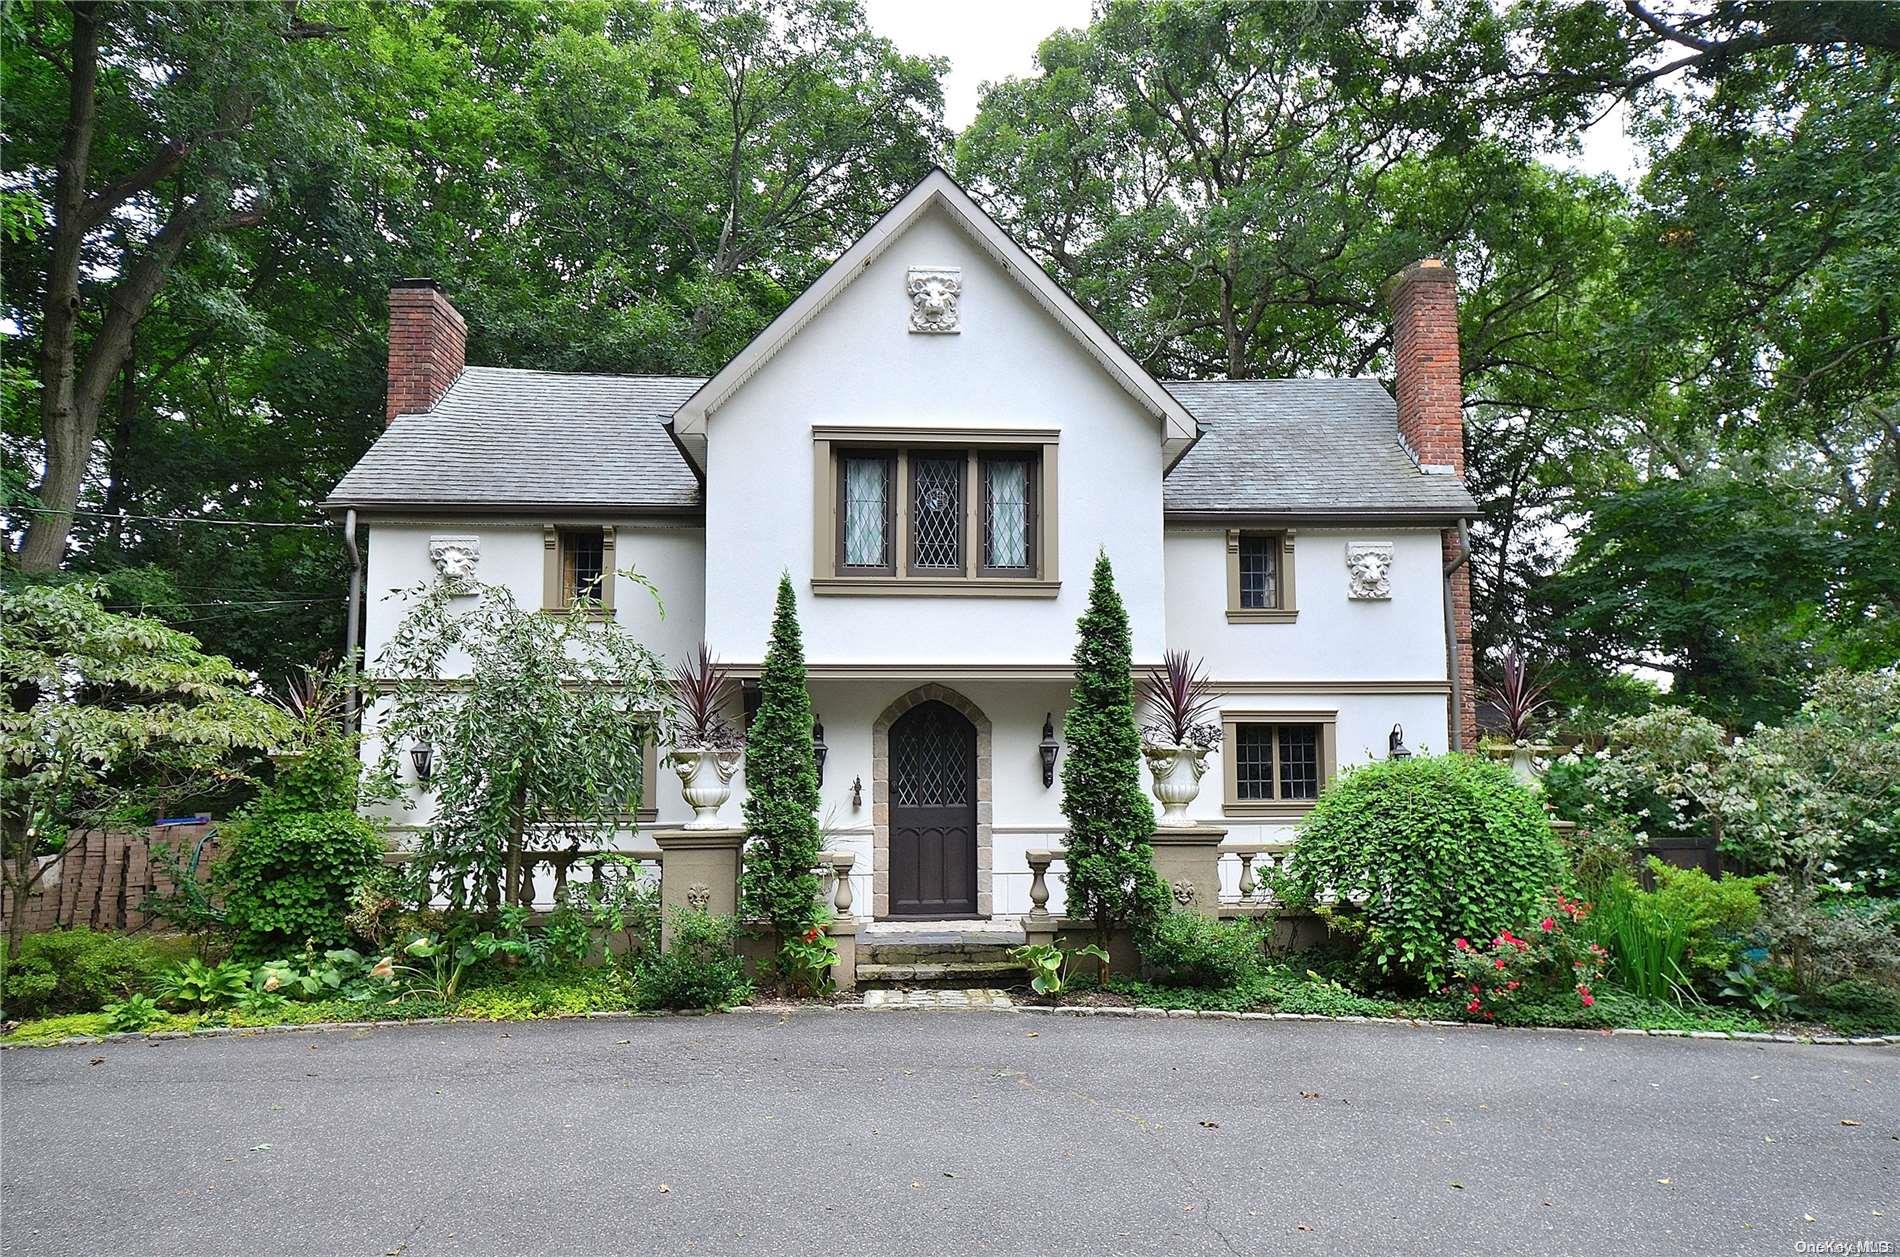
(929, 1133)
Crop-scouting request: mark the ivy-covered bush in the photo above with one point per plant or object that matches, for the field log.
(699, 969)
(1191, 949)
(1411, 854)
(80, 971)
(298, 855)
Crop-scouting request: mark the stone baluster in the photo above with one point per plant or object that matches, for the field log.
(1039, 862)
(1247, 853)
(841, 876)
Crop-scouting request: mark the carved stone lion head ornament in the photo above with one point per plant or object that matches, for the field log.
(936, 294)
(1369, 569)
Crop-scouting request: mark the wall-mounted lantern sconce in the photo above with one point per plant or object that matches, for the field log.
(422, 755)
(1395, 747)
(818, 747)
(857, 793)
(1047, 748)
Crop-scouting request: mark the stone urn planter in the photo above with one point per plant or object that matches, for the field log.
(705, 774)
(1522, 757)
(1177, 769)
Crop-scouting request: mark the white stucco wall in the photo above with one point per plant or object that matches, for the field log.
(667, 552)
(1335, 637)
(856, 364)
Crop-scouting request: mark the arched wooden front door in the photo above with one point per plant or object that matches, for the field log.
(933, 813)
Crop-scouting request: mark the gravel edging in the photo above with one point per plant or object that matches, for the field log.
(1080, 1010)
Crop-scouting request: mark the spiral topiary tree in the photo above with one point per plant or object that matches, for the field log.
(1112, 878)
(781, 777)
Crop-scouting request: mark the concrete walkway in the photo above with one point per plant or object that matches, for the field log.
(944, 1132)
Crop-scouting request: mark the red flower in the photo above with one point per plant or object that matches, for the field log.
(1472, 1007)
(1511, 985)
(1499, 962)
(1461, 944)
(1550, 924)
(1589, 1000)
(811, 935)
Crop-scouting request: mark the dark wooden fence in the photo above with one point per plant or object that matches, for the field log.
(107, 873)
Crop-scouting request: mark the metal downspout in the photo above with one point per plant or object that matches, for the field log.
(355, 612)
(1451, 641)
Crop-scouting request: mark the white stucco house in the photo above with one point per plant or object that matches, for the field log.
(935, 440)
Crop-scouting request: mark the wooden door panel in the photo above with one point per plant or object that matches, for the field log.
(933, 812)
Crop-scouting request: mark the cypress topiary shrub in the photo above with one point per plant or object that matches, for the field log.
(1111, 877)
(1419, 852)
(781, 778)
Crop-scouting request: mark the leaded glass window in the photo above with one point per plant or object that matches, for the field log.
(1006, 512)
(936, 509)
(1259, 572)
(867, 511)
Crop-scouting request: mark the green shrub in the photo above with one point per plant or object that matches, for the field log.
(1190, 949)
(299, 854)
(1647, 945)
(699, 970)
(1716, 913)
(194, 985)
(1414, 853)
(80, 971)
(1859, 1007)
(1826, 939)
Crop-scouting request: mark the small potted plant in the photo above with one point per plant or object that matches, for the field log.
(707, 748)
(1178, 738)
(1521, 699)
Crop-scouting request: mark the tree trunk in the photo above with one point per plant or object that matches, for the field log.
(67, 430)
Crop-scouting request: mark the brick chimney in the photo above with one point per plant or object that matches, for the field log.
(428, 342)
(1429, 388)
(1430, 392)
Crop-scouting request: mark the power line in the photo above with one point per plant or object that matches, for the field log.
(164, 519)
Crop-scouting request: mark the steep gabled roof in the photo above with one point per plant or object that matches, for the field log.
(1313, 447)
(502, 438)
(938, 189)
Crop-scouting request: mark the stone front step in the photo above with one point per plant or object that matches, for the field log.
(931, 953)
(948, 972)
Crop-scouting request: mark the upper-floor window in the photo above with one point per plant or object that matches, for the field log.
(935, 517)
(1260, 577)
(578, 564)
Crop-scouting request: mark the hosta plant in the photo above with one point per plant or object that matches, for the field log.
(195, 984)
(1048, 964)
(131, 1014)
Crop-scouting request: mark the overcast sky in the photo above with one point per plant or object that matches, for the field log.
(988, 40)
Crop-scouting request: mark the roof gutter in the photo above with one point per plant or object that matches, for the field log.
(1451, 640)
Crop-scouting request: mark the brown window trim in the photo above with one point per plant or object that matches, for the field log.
(1274, 809)
(553, 583)
(831, 577)
(1288, 610)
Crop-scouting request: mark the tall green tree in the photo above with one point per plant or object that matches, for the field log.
(781, 782)
(1111, 878)
(143, 132)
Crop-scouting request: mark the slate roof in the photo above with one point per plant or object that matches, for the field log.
(1312, 446)
(505, 439)
(502, 438)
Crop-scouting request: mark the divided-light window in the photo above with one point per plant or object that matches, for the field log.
(931, 513)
